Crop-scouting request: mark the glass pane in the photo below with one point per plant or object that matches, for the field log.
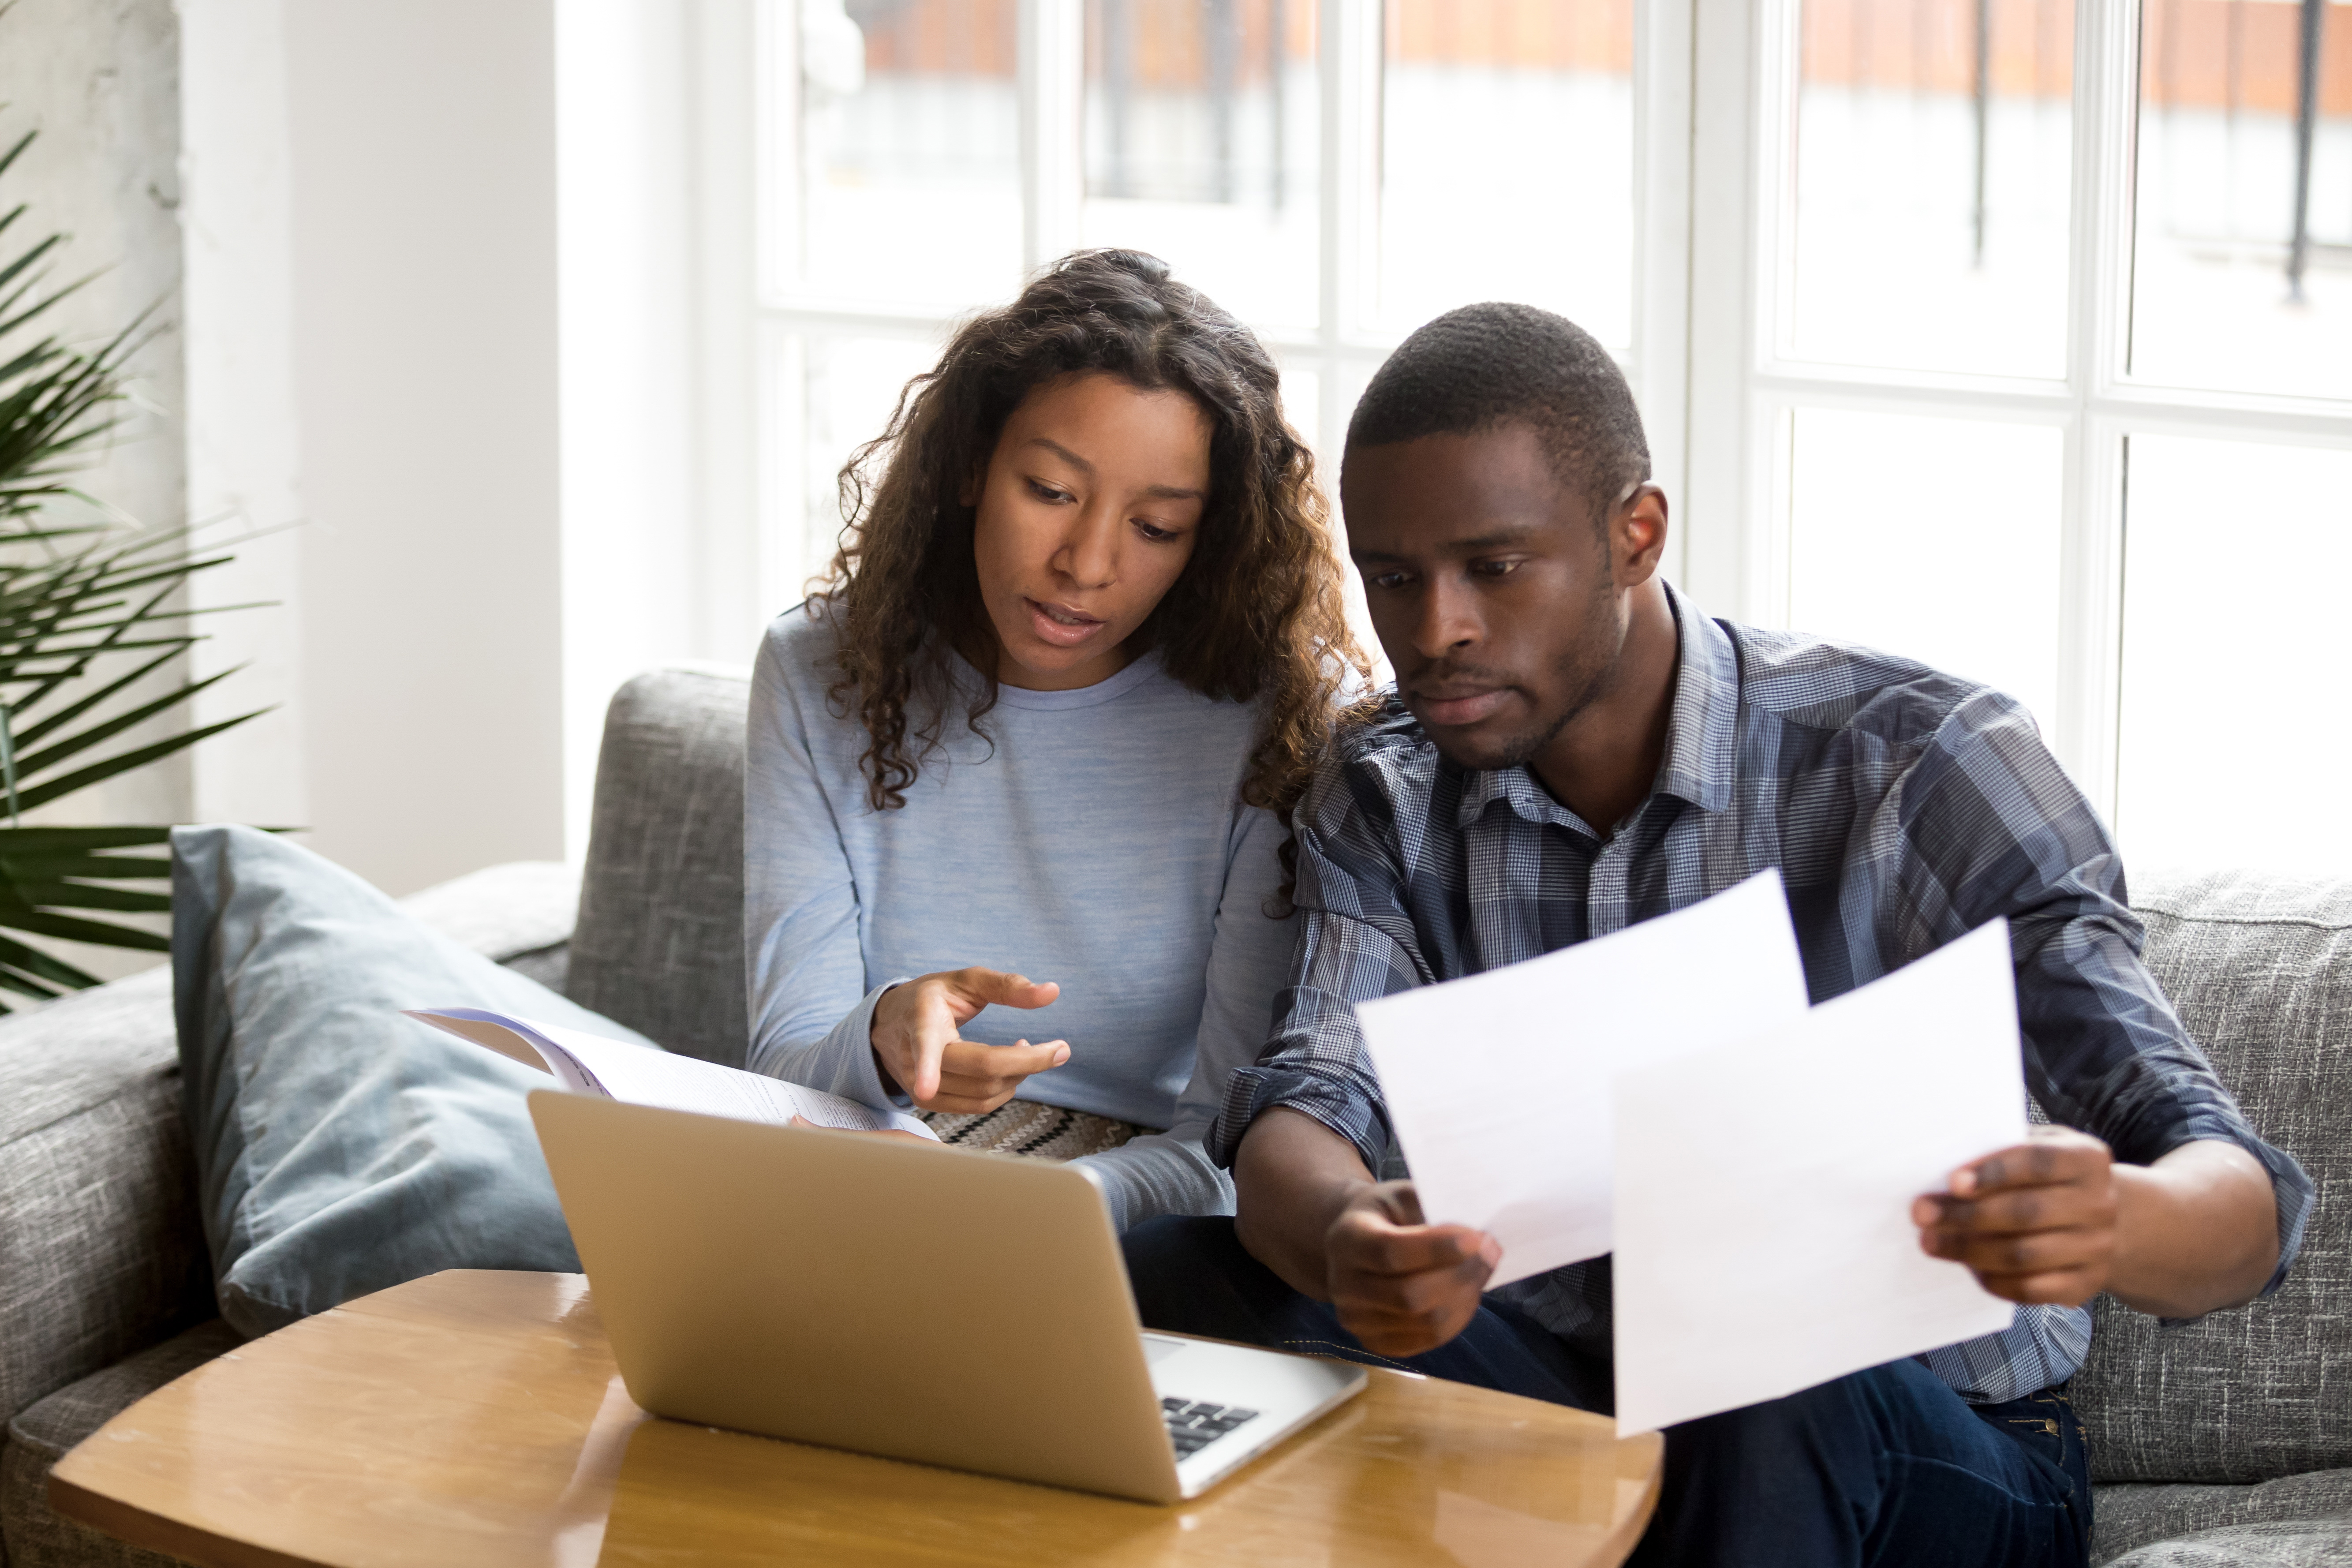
(1935, 538)
(911, 150)
(1202, 122)
(2236, 162)
(1506, 160)
(2231, 751)
(1933, 152)
(850, 386)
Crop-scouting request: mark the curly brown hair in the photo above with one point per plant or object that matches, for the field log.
(1257, 613)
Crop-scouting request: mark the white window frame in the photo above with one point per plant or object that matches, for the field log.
(1743, 392)
(749, 472)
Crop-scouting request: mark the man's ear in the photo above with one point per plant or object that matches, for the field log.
(1637, 535)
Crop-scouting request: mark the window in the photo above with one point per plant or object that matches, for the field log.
(1323, 170)
(2015, 335)
(2027, 350)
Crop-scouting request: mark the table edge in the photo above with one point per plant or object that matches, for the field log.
(144, 1528)
(1636, 1524)
(141, 1528)
(138, 1527)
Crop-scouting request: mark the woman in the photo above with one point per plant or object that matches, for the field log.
(1074, 663)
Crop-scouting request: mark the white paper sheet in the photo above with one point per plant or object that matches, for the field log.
(1764, 1189)
(591, 1064)
(1498, 1084)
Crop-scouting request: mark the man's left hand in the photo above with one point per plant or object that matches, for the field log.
(2035, 1223)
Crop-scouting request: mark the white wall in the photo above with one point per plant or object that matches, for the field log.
(632, 564)
(244, 448)
(372, 352)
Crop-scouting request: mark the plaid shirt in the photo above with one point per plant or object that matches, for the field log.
(1904, 807)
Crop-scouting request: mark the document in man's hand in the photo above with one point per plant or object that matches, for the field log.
(590, 1064)
(1764, 1189)
(1498, 1083)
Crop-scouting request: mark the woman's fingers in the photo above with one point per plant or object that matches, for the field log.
(915, 1026)
(967, 1105)
(974, 988)
(966, 1077)
(969, 1069)
(911, 1025)
(915, 1035)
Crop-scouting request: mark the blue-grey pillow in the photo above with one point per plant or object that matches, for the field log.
(340, 1147)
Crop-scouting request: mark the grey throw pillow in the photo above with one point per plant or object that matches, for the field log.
(340, 1147)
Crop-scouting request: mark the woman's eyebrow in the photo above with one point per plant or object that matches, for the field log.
(1157, 492)
(1063, 452)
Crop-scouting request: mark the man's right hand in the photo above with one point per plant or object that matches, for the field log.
(1306, 1207)
(917, 1046)
(1399, 1285)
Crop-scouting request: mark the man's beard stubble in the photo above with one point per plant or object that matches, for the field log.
(1586, 670)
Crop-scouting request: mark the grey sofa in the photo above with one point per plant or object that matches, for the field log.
(2228, 1441)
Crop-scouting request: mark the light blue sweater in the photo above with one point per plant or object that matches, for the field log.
(1096, 838)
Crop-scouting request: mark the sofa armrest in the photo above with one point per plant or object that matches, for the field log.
(101, 1248)
(101, 1251)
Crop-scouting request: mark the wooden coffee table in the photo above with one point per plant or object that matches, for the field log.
(476, 1418)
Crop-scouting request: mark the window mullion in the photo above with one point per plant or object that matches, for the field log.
(1348, 61)
(1726, 504)
(1052, 64)
(2099, 293)
(730, 52)
(1662, 66)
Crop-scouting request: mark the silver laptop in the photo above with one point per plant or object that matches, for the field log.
(892, 1298)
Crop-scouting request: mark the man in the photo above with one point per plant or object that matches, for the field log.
(1571, 748)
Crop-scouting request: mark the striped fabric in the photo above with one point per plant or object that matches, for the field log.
(1031, 1128)
(1903, 808)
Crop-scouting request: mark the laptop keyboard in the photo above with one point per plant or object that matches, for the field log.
(1194, 1424)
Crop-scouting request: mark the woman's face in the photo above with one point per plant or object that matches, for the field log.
(1088, 513)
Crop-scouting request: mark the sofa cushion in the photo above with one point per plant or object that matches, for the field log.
(2303, 1544)
(341, 1148)
(659, 945)
(41, 1434)
(2128, 1517)
(101, 1249)
(2259, 968)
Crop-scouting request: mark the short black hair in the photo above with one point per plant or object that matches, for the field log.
(1485, 365)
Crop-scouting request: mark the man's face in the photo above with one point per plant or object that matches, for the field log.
(1489, 584)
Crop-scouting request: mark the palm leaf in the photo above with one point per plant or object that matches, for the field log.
(28, 960)
(29, 869)
(98, 772)
(97, 933)
(88, 627)
(31, 733)
(35, 762)
(36, 841)
(49, 895)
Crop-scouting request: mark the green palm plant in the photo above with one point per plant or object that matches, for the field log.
(86, 617)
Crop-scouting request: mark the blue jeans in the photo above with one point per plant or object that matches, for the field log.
(1886, 1467)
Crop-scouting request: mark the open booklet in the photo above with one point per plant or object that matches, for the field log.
(588, 1063)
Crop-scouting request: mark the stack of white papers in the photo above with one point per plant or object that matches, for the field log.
(1498, 1084)
(1764, 1189)
(1665, 1093)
